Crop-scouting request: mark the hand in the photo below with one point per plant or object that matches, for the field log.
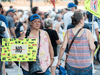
(59, 63)
(51, 62)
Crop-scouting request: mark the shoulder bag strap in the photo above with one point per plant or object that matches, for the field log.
(73, 40)
(39, 44)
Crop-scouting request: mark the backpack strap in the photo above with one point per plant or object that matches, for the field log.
(27, 33)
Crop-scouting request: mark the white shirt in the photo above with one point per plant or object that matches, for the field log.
(67, 19)
(60, 33)
(95, 26)
(6, 34)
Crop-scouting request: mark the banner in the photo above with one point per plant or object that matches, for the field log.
(19, 50)
(93, 6)
(53, 2)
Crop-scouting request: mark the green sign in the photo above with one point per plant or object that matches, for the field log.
(19, 50)
(93, 6)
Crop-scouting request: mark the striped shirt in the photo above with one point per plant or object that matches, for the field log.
(79, 54)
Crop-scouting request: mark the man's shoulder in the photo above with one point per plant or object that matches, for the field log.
(65, 14)
(2, 16)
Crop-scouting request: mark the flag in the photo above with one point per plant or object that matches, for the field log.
(53, 2)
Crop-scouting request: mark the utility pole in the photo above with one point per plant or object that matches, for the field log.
(31, 1)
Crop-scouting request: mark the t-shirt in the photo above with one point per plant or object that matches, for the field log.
(3, 18)
(67, 19)
(10, 21)
(18, 29)
(95, 26)
(54, 37)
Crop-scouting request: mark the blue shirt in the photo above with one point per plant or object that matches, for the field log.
(3, 18)
(10, 20)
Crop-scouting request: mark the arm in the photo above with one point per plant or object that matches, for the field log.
(91, 40)
(63, 47)
(91, 43)
(22, 36)
(58, 42)
(9, 32)
(50, 49)
(13, 31)
(57, 27)
(97, 33)
(11, 25)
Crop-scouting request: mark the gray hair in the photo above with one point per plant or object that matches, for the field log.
(48, 22)
(58, 16)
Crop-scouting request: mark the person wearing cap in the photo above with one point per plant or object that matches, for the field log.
(45, 54)
(79, 57)
(48, 23)
(11, 23)
(67, 17)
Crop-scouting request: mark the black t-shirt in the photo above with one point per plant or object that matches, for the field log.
(17, 31)
(53, 37)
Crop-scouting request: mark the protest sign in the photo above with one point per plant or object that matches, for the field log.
(19, 50)
(93, 6)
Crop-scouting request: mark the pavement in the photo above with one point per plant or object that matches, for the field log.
(15, 70)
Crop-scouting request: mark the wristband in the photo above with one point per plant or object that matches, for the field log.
(52, 58)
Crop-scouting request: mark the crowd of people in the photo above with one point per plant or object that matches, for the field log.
(54, 32)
